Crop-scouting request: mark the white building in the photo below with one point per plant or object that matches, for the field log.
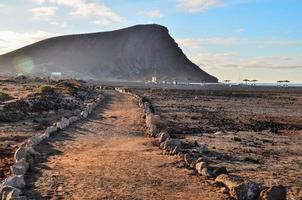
(154, 79)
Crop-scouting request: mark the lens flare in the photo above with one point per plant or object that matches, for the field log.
(23, 64)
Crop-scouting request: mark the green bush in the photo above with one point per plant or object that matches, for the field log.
(5, 97)
(72, 86)
(45, 89)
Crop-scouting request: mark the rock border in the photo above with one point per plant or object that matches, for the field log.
(237, 187)
(11, 187)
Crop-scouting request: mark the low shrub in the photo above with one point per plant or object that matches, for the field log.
(5, 97)
(45, 89)
(71, 86)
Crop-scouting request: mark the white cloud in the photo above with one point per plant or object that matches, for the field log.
(46, 11)
(56, 23)
(197, 44)
(213, 60)
(11, 40)
(101, 22)
(4, 8)
(187, 42)
(198, 5)
(269, 62)
(230, 60)
(239, 30)
(198, 53)
(277, 42)
(151, 13)
(39, 1)
(84, 9)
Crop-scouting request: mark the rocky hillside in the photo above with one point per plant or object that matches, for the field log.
(131, 54)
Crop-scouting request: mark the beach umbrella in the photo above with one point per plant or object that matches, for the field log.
(246, 80)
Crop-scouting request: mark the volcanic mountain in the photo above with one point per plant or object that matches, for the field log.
(132, 54)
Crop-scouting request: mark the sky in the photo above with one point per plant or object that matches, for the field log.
(230, 39)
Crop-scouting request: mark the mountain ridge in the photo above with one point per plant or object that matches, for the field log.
(134, 53)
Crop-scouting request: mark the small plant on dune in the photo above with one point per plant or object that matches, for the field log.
(45, 89)
(69, 86)
(5, 97)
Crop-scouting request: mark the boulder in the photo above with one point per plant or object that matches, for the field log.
(89, 107)
(163, 136)
(44, 136)
(153, 131)
(8, 192)
(192, 144)
(5, 189)
(176, 150)
(202, 169)
(84, 114)
(50, 129)
(34, 141)
(238, 188)
(219, 133)
(189, 159)
(63, 123)
(148, 110)
(15, 194)
(32, 151)
(148, 120)
(16, 181)
(170, 144)
(216, 171)
(203, 148)
(140, 103)
(21, 153)
(77, 112)
(277, 192)
(147, 105)
(73, 119)
(20, 167)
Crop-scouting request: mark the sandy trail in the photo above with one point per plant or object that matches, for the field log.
(108, 157)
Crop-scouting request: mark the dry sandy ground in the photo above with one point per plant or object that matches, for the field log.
(263, 130)
(109, 157)
(14, 132)
(18, 123)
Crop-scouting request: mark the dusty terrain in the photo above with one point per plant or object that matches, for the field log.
(109, 157)
(26, 108)
(255, 134)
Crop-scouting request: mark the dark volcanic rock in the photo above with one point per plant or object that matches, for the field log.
(274, 193)
(135, 53)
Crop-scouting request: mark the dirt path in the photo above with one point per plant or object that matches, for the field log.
(108, 157)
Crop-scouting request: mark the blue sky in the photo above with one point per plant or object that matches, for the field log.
(231, 39)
